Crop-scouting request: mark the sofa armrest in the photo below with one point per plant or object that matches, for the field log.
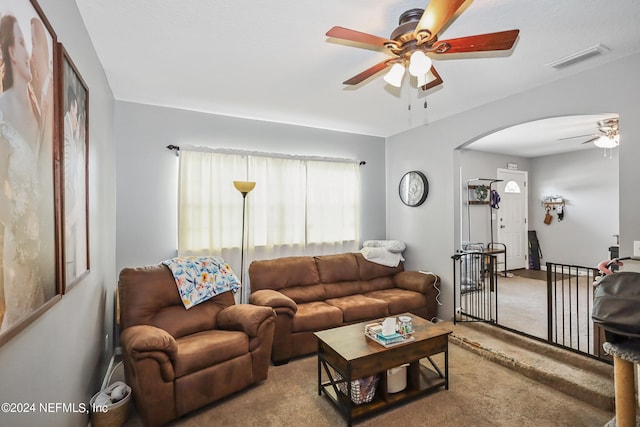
(247, 318)
(145, 341)
(416, 281)
(274, 299)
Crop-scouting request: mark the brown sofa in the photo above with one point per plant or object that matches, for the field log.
(178, 360)
(314, 293)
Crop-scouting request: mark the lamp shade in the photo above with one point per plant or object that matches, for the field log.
(419, 64)
(244, 186)
(395, 75)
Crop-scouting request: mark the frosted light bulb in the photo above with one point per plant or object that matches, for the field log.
(395, 75)
(419, 64)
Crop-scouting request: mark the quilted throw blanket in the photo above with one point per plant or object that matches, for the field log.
(201, 278)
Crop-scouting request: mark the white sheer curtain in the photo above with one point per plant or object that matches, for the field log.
(209, 207)
(333, 207)
(278, 209)
(298, 207)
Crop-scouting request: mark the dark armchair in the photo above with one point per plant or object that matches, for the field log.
(178, 360)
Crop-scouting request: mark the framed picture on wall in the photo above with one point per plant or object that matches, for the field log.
(30, 208)
(75, 119)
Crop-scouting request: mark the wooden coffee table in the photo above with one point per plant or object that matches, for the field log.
(348, 352)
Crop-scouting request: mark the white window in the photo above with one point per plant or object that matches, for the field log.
(298, 207)
(511, 187)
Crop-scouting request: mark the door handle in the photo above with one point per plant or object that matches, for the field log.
(502, 226)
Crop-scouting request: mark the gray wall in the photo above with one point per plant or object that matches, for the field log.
(431, 229)
(147, 172)
(589, 183)
(61, 356)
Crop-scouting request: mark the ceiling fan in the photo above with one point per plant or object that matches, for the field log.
(416, 36)
(608, 136)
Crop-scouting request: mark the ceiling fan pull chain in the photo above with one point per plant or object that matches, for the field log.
(406, 92)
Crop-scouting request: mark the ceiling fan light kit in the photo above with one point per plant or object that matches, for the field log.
(419, 64)
(395, 75)
(425, 79)
(415, 37)
(605, 141)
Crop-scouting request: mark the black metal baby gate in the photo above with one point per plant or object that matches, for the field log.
(569, 301)
(569, 305)
(475, 296)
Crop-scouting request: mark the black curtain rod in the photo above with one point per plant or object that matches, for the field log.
(176, 148)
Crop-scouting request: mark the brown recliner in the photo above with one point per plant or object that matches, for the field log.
(178, 360)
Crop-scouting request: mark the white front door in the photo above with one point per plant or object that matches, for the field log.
(512, 217)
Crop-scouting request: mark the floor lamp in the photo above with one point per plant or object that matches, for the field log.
(244, 187)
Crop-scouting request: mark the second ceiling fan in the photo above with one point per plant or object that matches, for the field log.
(608, 136)
(416, 36)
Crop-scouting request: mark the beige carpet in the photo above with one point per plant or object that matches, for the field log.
(522, 305)
(481, 393)
(537, 274)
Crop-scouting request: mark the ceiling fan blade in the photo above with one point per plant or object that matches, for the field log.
(368, 72)
(435, 16)
(359, 37)
(433, 83)
(502, 40)
(578, 136)
(591, 140)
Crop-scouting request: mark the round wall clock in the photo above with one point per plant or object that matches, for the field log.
(413, 188)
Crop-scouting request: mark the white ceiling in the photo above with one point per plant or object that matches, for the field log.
(271, 60)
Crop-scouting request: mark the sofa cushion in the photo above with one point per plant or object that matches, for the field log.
(337, 268)
(302, 294)
(359, 307)
(204, 349)
(283, 272)
(315, 316)
(368, 270)
(343, 289)
(379, 283)
(399, 300)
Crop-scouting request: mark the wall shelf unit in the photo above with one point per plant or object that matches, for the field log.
(479, 193)
(552, 205)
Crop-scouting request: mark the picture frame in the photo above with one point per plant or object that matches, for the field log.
(30, 253)
(74, 100)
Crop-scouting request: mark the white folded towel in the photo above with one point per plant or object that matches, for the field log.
(395, 246)
(381, 256)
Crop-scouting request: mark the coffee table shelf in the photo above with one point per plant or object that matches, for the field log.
(346, 351)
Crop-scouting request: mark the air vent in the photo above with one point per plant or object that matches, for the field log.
(578, 56)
